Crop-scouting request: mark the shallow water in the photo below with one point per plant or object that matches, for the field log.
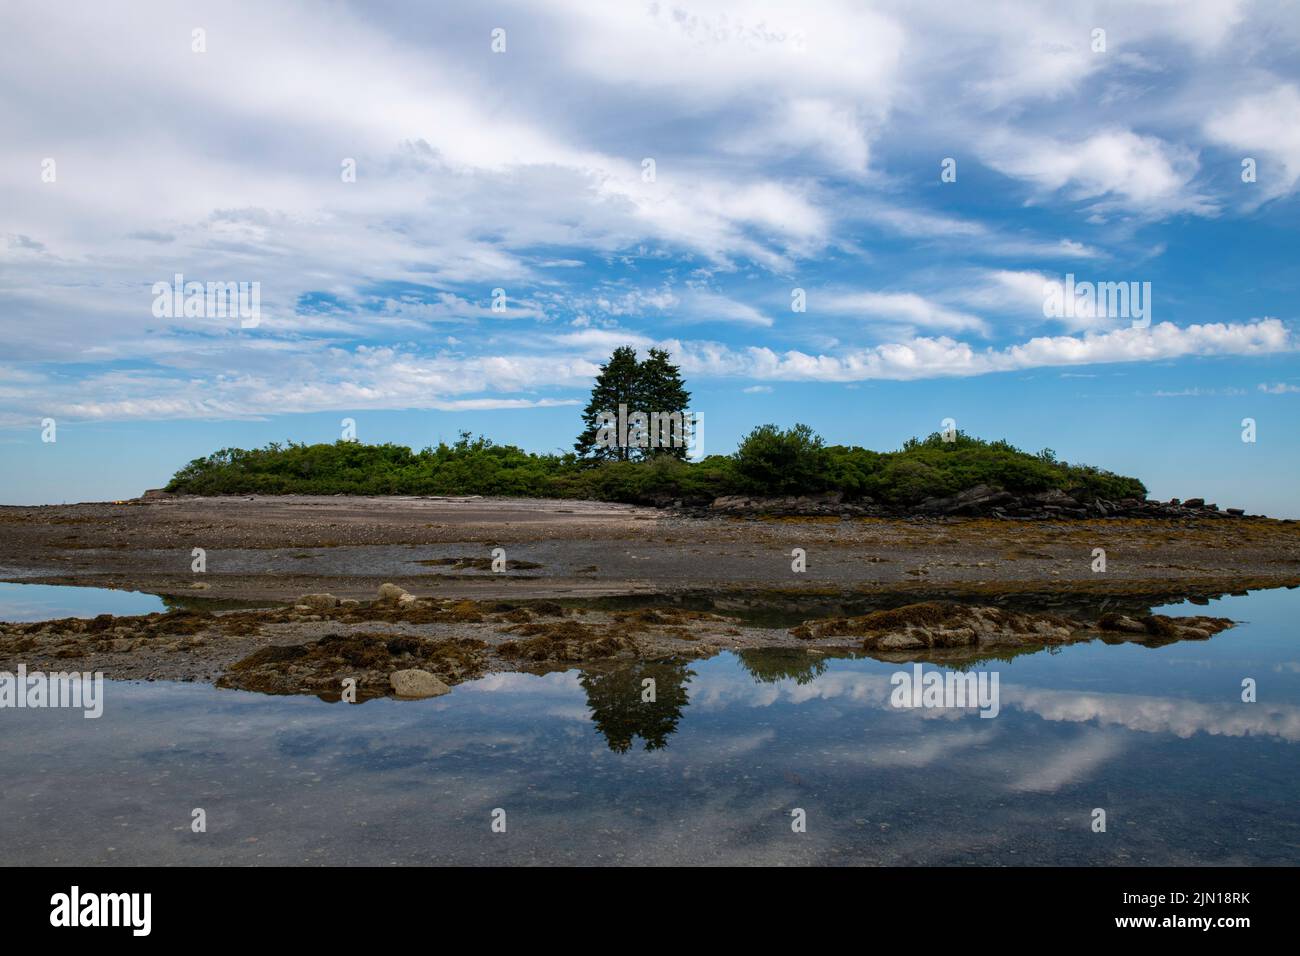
(586, 773)
(43, 602)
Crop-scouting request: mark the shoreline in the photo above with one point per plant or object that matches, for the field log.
(592, 585)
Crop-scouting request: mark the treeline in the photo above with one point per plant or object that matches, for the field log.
(770, 461)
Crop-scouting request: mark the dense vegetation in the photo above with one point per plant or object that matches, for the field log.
(769, 461)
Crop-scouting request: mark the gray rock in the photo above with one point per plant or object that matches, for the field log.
(415, 684)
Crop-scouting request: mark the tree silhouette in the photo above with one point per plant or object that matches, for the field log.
(621, 715)
(767, 665)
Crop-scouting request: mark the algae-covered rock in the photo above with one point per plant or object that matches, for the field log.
(1163, 629)
(934, 624)
(953, 627)
(369, 660)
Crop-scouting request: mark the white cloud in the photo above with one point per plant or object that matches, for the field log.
(478, 171)
(1113, 167)
(906, 308)
(922, 358)
(1265, 126)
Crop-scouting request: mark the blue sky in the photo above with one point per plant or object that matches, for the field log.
(795, 146)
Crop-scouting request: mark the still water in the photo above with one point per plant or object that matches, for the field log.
(1157, 737)
(45, 602)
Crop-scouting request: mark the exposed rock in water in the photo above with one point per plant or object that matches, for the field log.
(1163, 629)
(415, 683)
(320, 667)
(935, 625)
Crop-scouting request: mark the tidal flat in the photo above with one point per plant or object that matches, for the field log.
(772, 688)
(296, 595)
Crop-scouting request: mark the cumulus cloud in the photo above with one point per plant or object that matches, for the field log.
(1267, 125)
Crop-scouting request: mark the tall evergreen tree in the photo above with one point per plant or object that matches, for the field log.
(616, 383)
(662, 391)
(652, 387)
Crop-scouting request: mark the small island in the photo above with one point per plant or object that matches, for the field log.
(293, 568)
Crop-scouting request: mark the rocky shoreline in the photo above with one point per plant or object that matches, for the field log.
(977, 501)
(404, 646)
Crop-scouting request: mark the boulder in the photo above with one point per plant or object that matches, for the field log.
(415, 684)
(392, 594)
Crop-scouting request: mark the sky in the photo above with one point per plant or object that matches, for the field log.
(662, 174)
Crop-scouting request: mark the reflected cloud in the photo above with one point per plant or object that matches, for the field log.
(1070, 766)
(1182, 718)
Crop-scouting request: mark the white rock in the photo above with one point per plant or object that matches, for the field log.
(392, 594)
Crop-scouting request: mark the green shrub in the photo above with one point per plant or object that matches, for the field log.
(770, 461)
(775, 462)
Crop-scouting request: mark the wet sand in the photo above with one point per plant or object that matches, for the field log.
(277, 548)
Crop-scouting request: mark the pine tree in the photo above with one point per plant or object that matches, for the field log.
(662, 391)
(652, 387)
(616, 383)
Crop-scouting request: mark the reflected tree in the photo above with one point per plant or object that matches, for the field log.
(621, 714)
(767, 665)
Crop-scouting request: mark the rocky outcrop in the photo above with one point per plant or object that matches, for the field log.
(567, 641)
(376, 663)
(935, 624)
(1163, 629)
(977, 501)
(941, 626)
(825, 503)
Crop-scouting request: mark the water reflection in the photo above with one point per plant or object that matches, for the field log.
(43, 602)
(768, 665)
(591, 772)
(624, 706)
